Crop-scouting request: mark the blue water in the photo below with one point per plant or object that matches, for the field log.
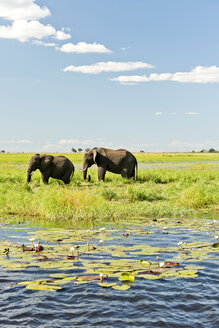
(177, 303)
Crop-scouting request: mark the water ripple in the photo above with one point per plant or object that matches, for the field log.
(182, 303)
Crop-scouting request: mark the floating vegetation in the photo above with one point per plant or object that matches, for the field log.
(97, 256)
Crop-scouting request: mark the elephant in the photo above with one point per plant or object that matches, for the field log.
(118, 161)
(57, 167)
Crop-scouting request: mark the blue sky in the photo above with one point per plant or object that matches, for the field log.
(136, 74)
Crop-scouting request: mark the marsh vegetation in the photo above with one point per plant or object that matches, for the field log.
(157, 193)
(105, 244)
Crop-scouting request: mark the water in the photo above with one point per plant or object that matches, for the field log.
(165, 165)
(186, 303)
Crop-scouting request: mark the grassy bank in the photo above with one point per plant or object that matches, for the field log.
(157, 193)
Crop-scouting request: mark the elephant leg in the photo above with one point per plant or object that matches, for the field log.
(66, 178)
(45, 178)
(124, 173)
(101, 173)
(66, 181)
(133, 174)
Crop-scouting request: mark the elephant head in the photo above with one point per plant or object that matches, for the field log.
(41, 162)
(90, 158)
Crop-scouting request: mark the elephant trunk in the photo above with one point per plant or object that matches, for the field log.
(85, 171)
(29, 173)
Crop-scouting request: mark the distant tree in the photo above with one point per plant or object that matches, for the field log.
(2, 151)
(87, 149)
(80, 150)
(141, 151)
(193, 151)
(203, 151)
(74, 150)
(212, 150)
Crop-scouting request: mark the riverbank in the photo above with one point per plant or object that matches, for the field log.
(157, 193)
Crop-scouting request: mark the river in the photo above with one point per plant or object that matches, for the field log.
(171, 300)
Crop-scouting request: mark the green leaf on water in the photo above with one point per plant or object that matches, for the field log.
(106, 284)
(121, 287)
(194, 267)
(187, 273)
(149, 276)
(125, 276)
(145, 263)
(38, 286)
(58, 275)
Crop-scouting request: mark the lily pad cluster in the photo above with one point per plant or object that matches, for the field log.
(107, 258)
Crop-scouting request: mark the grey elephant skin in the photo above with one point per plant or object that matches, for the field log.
(118, 161)
(57, 167)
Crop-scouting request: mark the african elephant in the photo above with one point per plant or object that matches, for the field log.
(118, 161)
(57, 167)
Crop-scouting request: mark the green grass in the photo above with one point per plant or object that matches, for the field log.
(157, 193)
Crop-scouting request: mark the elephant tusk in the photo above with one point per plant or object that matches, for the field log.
(82, 169)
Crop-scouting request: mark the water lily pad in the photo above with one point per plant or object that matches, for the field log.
(106, 284)
(125, 276)
(58, 275)
(121, 287)
(37, 286)
(145, 263)
(149, 276)
(187, 273)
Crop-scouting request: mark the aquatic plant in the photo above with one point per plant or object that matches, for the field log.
(107, 265)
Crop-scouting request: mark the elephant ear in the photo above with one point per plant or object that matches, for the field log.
(95, 156)
(45, 162)
(99, 155)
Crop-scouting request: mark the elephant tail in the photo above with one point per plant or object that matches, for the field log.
(73, 171)
(136, 169)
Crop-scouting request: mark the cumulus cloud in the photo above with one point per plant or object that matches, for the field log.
(23, 31)
(199, 74)
(22, 9)
(83, 47)
(25, 15)
(107, 67)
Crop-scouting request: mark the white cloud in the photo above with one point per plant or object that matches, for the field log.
(83, 47)
(192, 113)
(129, 83)
(23, 31)
(76, 142)
(158, 113)
(61, 35)
(107, 67)
(199, 74)
(25, 15)
(179, 145)
(16, 141)
(45, 44)
(22, 9)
